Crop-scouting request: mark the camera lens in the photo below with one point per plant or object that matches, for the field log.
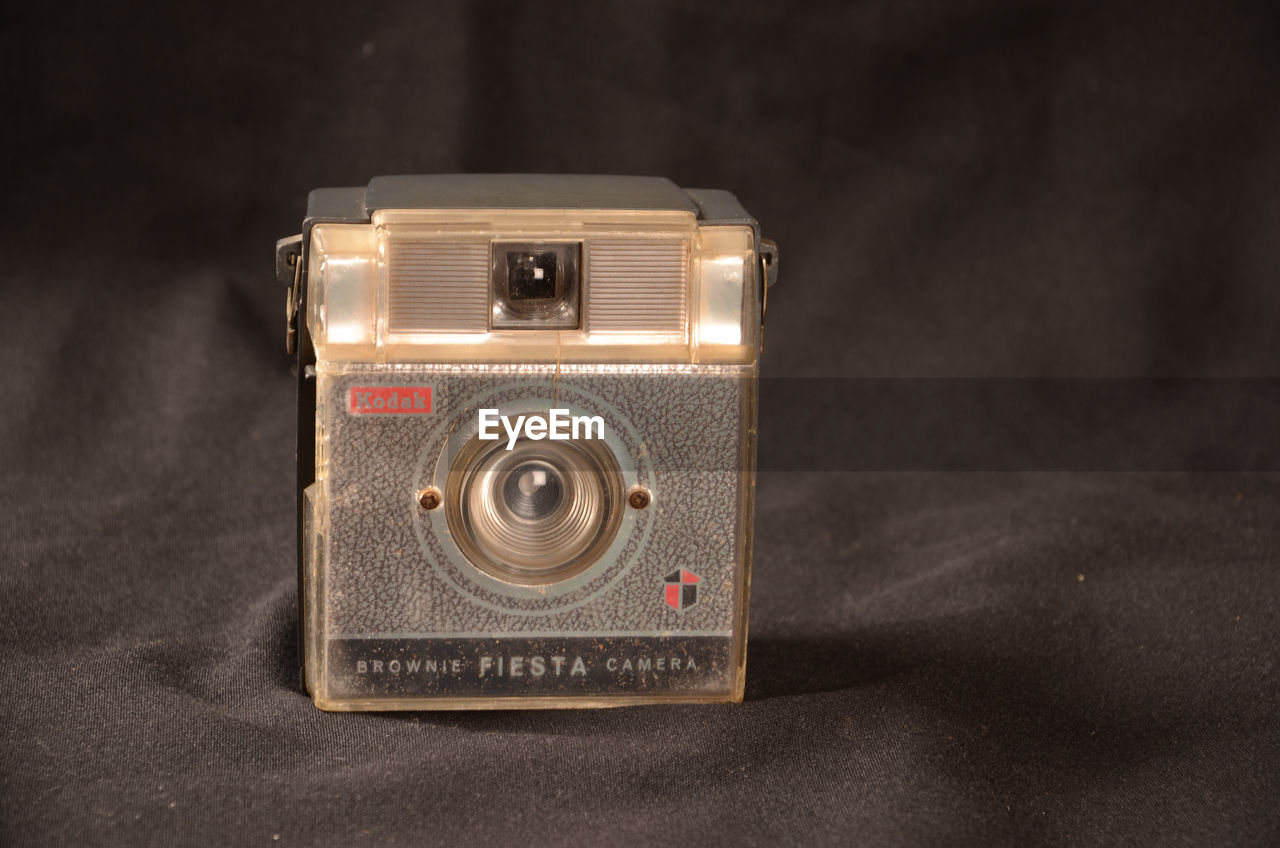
(533, 490)
(538, 513)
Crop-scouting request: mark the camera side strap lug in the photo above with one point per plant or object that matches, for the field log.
(289, 273)
(768, 278)
(769, 262)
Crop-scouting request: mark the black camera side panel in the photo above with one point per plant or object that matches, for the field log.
(337, 205)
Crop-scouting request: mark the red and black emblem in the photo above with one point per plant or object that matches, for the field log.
(681, 589)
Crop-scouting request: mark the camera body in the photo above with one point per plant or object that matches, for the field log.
(526, 464)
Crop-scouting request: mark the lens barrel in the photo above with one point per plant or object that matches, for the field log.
(538, 513)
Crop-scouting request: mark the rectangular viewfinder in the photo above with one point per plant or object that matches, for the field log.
(536, 285)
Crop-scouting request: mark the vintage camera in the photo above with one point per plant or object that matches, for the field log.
(526, 440)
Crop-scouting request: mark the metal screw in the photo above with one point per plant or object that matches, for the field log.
(429, 498)
(638, 498)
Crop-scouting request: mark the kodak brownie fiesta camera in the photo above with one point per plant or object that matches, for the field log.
(526, 461)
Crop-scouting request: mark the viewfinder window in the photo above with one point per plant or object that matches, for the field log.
(531, 276)
(536, 285)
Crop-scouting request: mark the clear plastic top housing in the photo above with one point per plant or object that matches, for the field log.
(533, 286)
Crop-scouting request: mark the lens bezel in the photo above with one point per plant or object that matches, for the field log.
(534, 552)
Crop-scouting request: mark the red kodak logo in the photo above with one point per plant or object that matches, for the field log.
(390, 400)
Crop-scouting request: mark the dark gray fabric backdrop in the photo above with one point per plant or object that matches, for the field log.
(993, 639)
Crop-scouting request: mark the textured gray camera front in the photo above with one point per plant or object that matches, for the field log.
(392, 568)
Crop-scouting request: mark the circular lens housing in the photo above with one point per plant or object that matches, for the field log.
(539, 513)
